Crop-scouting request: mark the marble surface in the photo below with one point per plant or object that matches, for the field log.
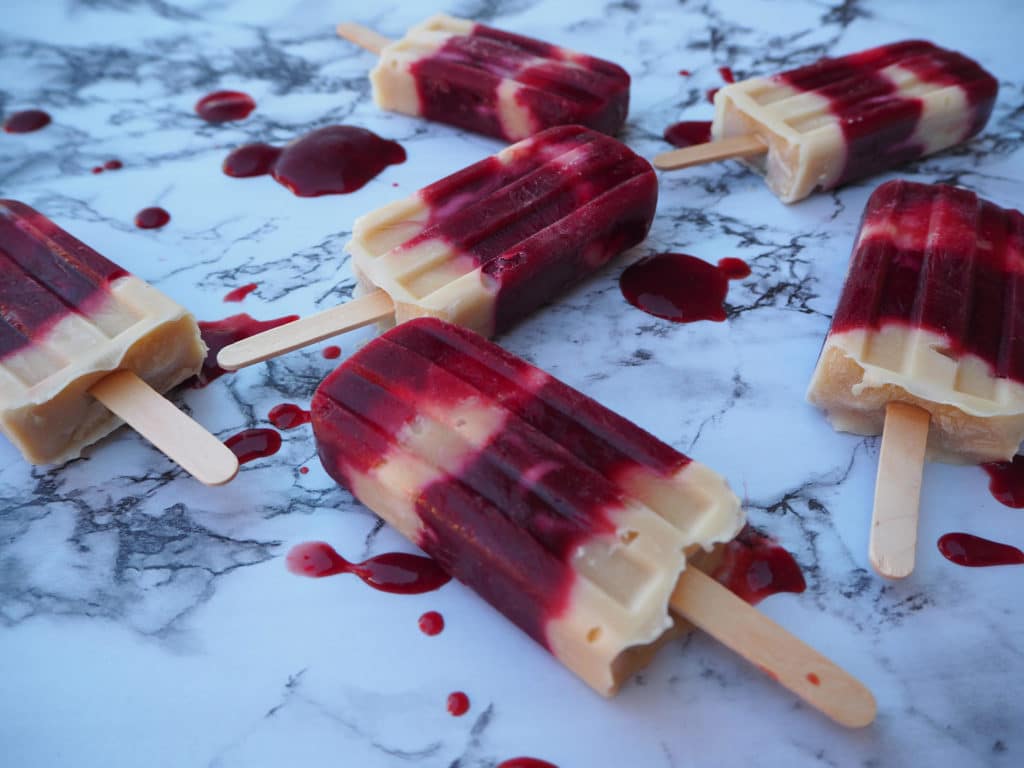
(145, 619)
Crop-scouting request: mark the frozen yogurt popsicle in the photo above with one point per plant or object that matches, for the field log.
(488, 245)
(77, 329)
(931, 318)
(838, 120)
(492, 82)
(573, 522)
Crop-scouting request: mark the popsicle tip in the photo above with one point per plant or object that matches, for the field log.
(219, 468)
(362, 36)
(892, 568)
(861, 709)
(231, 358)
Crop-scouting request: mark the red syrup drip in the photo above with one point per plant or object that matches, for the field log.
(709, 94)
(251, 444)
(688, 133)
(396, 572)
(97, 169)
(458, 704)
(813, 679)
(431, 623)
(679, 287)
(332, 352)
(1006, 481)
(525, 762)
(727, 75)
(218, 334)
(113, 165)
(151, 218)
(976, 552)
(26, 122)
(329, 161)
(303, 470)
(288, 416)
(224, 106)
(241, 292)
(754, 567)
(684, 72)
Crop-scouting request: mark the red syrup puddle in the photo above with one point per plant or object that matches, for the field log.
(976, 552)
(688, 133)
(525, 762)
(1006, 481)
(26, 122)
(224, 106)
(396, 572)
(334, 160)
(431, 623)
(458, 704)
(679, 287)
(218, 334)
(97, 169)
(151, 218)
(113, 165)
(332, 352)
(754, 567)
(710, 94)
(241, 292)
(288, 416)
(727, 75)
(251, 444)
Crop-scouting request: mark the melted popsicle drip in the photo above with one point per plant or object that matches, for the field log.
(681, 288)
(976, 552)
(218, 334)
(333, 160)
(395, 572)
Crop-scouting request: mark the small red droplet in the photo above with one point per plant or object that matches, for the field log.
(431, 623)
(332, 352)
(458, 703)
(303, 470)
(151, 218)
(813, 679)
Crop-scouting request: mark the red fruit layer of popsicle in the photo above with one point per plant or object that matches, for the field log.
(519, 485)
(879, 119)
(45, 273)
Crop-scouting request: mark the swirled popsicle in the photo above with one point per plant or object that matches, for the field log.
(85, 345)
(837, 120)
(570, 520)
(490, 81)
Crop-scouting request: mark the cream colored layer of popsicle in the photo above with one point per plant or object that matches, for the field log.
(975, 416)
(431, 279)
(394, 85)
(618, 609)
(806, 146)
(45, 408)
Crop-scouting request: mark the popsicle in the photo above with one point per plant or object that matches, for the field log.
(927, 342)
(838, 120)
(492, 82)
(84, 344)
(486, 246)
(573, 522)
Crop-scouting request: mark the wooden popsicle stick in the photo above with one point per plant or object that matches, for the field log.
(157, 419)
(898, 490)
(736, 624)
(307, 330)
(699, 154)
(362, 36)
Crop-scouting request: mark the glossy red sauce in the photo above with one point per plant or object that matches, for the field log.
(251, 444)
(26, 121)
(688, 133)
(151, 218)
(976, 552)
(224, 106)
(458, 704)
(241, 292)
(680, 287)
(431, 623)
(333, 160)
(395, 572)
(288, 416)
(1006, 481)
(754, 566)
(332, 352)
(218, 334)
